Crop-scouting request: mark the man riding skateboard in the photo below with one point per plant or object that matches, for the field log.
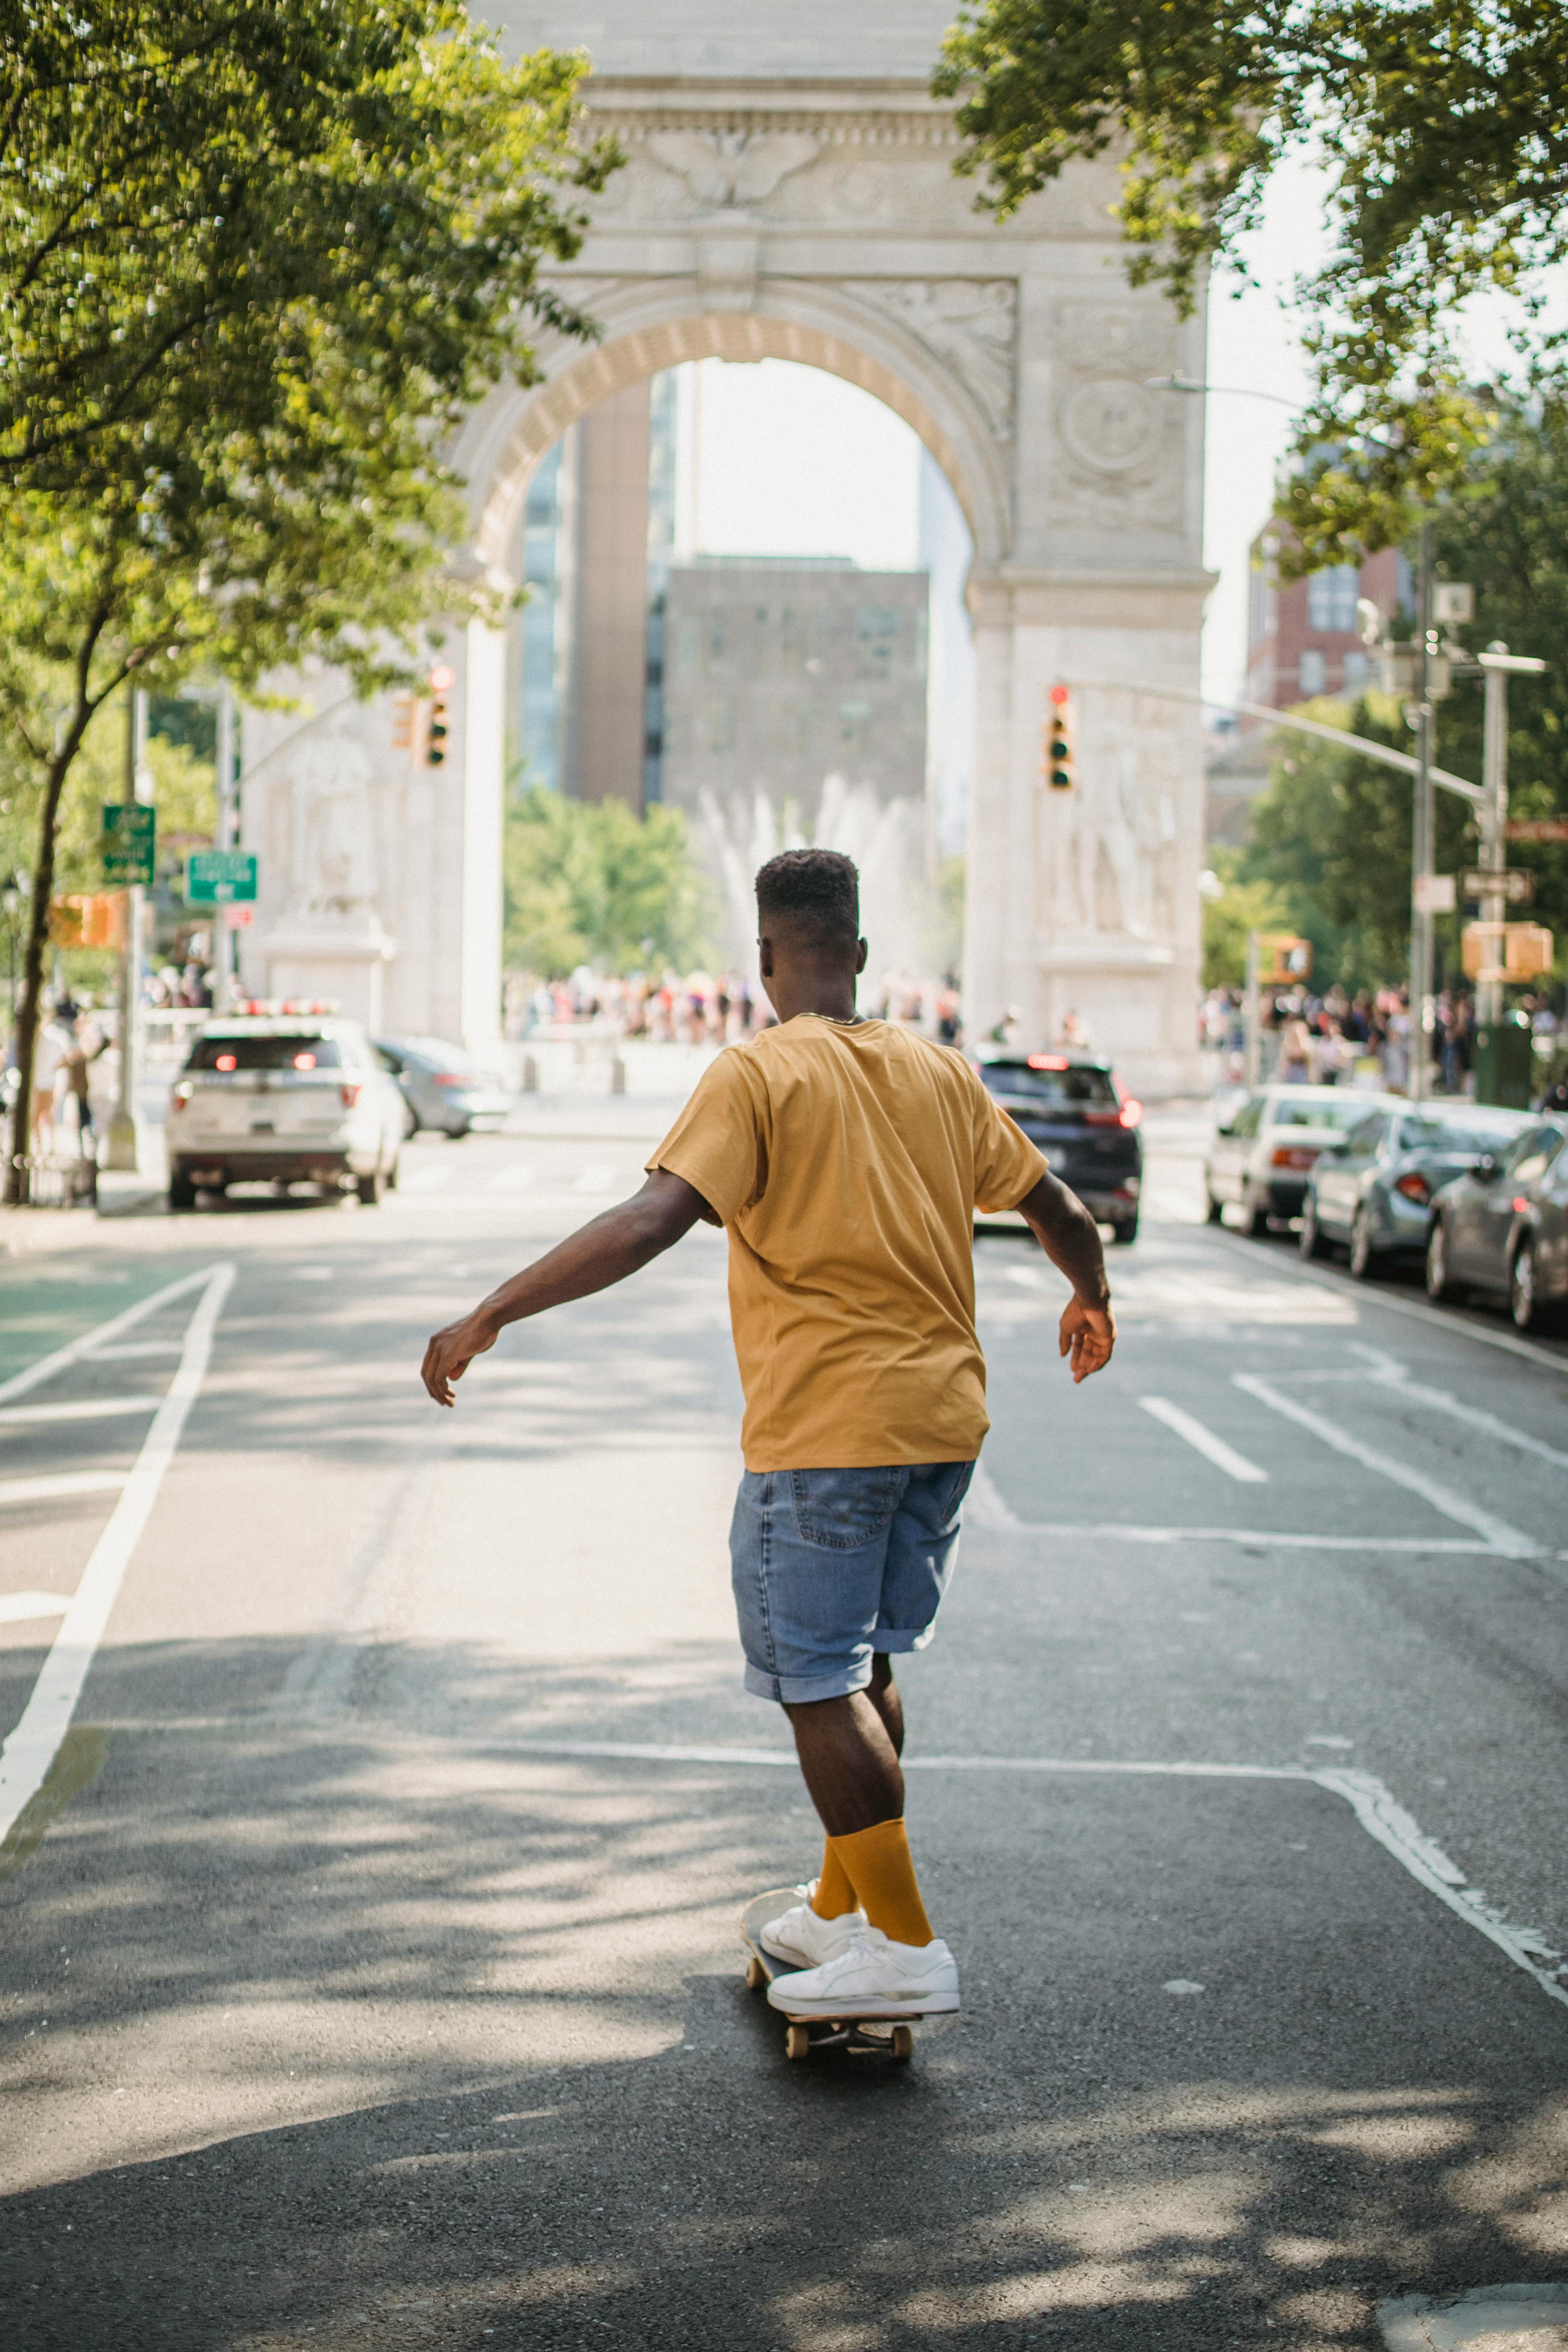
(844, 1159)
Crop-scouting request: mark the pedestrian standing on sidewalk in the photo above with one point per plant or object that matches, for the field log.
(845, 1157)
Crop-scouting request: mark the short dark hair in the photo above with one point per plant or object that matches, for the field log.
(816, 888)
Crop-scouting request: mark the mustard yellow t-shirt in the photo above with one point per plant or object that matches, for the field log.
(845, 1161)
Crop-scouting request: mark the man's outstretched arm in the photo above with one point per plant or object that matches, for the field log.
(604, 1251)
(1071, 1239)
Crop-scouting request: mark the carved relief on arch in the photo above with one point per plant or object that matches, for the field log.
(1121, 446)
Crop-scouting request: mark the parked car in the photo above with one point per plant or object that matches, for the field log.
(286, 1099)
(443, 1085)
(1372, 1190)
(1263, 1150)
(1071, 1107)
(1502, 1227)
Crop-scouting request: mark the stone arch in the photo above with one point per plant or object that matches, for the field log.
(818, 328)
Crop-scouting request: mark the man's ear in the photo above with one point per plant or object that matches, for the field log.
(861, 951)
(765, 957)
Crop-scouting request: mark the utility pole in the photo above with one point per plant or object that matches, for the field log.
(1499, 665)
(121, 1144)
(1422, 829)
(228, 838)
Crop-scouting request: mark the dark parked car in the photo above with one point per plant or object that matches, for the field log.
(443, 1085)
(1372, 1189)
(1072, 1107)
(1504, 1228)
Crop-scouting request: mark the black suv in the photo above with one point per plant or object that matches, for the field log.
(1074, 1110)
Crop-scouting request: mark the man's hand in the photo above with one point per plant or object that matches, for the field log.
(1088, 1336)
(450, 1353)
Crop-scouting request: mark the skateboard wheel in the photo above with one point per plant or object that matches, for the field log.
(903, 2043)
(756, 1975)
(797, 2040)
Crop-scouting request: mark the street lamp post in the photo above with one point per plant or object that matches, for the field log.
(119, 1149)
(1497, 665)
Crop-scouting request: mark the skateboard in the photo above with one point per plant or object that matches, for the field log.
(886, 2037)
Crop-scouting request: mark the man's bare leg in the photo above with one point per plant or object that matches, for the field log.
(849, 1750)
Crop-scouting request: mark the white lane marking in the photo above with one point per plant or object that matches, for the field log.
(91, 1343)
(58, 1482)
(1204, 1441)
(599, 1176)
(1440, 1401)
(32, 1416)
(1282, 1539)
(1445, 1318)
(1373, 1802)
(30, 1749)
(985, 1506)
(16, 1607)
(513, 1179)
(1459, 1507)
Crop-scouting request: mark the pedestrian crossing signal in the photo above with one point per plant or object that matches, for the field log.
(1058, 763)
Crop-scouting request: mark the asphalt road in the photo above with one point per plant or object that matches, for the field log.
(346, 2001)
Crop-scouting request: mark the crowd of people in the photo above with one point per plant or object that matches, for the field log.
(707, 1008)
(1338, 1039)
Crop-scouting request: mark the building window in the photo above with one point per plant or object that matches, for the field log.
(1330, 599)
(1312, 671)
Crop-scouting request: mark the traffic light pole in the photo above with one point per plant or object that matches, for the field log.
(1497, 665)
(119, 1145)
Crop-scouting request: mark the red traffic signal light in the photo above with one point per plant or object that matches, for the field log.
(1058, 750)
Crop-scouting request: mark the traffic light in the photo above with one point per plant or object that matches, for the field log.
(1059, 762)
(442, 681)
(405, 711)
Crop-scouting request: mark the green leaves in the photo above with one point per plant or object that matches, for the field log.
(592, 882)
(1445, 125)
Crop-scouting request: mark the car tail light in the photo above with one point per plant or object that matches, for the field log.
(350, 1097)
(1291, 1155)
(304, 1060)
(1521, 1206)
(1132, 1112)
(226, 1062)
(1414, 1188)
(449, 1078)
(1050, 1062)
(1102, 1119)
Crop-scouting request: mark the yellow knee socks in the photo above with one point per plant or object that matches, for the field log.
(833, 1895)
(877, 1864)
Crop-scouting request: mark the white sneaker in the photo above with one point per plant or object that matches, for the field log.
(873, 1977)
(798, 1934)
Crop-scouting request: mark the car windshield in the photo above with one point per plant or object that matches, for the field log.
(299, 1051)
(1331, 1109)
(1083, 1087)
(1447, 1134)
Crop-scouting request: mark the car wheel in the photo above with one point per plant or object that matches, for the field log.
(410, 1122)
(182, 1192)
(1524, 1302)
(394, 1172)
(1362, 1257)
(1217, 1211)
(1126, 1231)
(1440, 1282)
(1254, 1217)
(1313, 1243)
(371, 1188)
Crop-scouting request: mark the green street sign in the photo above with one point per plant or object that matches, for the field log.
(219, 877)
(128, 842)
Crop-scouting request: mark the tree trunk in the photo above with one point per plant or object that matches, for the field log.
(17, 1187)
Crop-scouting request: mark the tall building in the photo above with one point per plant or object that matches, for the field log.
(1302, 636)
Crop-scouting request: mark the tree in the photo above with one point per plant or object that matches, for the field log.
(1242, 907)
(592, 882)
(281, 496)
(185, 190)
(1446, 127)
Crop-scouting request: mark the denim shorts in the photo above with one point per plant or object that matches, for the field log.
(829, 1566)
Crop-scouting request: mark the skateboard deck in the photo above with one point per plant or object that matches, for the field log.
(886, 2037)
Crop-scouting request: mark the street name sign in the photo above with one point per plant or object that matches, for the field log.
(1516, 886)
(1434, 894)
(1536, 828)
(128, 843)
(219, 877)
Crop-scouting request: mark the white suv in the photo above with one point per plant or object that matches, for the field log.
(291, 1099)
(1262, 1154)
